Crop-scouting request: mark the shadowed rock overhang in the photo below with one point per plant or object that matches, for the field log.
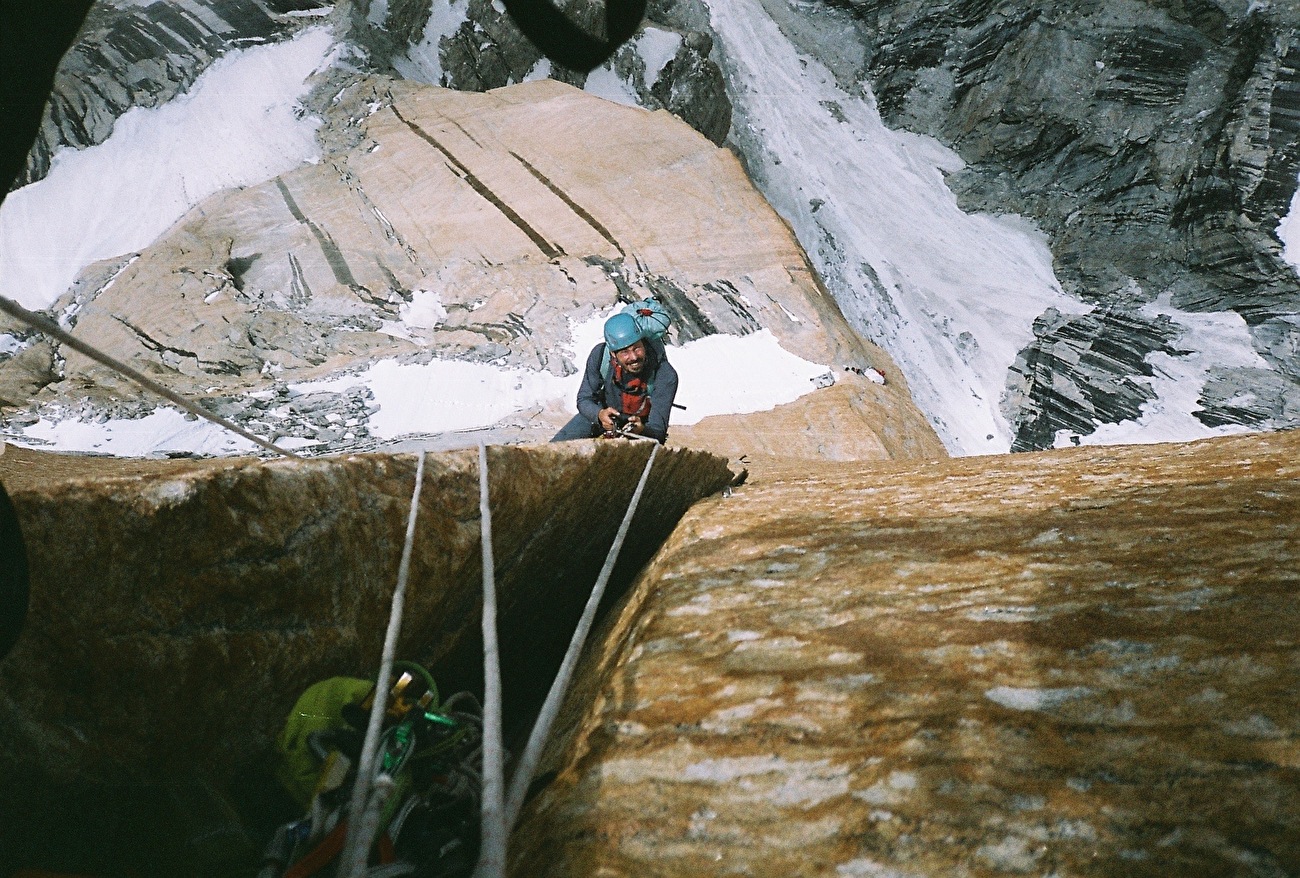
(179, 608)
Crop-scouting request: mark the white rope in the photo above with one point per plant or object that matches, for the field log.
(52, 329)
(361, 825)
(523, 774)
(493, 830)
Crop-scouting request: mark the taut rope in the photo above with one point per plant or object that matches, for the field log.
(523, 773)
(52, 329)
(364, 808)
(493, 830)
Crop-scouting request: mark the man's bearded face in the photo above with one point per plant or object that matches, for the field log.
(632, 358)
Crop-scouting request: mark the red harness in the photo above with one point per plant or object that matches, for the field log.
(635, 393)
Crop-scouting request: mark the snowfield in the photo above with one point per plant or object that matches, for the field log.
(119, 196)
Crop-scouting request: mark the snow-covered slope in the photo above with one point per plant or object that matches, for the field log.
(951, 295)
(240, 123)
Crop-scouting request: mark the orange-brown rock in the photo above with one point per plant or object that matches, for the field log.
(1081, 662)
(856, 419)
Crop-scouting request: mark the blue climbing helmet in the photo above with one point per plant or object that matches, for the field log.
(622, 331)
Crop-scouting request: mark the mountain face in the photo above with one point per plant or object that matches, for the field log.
(1062, 220)
(1153, 144)
(380, 223)
(437, 264)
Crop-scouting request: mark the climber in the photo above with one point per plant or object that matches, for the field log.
(629, 385)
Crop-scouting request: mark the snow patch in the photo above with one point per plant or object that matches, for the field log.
(1288, 230)
(378, 12)
(119, 196)
(424, 311)
(657, 47)
(162, 431)
(541, 70)
(604, 82)
(443, 395)
(710, 367)
(10, 344)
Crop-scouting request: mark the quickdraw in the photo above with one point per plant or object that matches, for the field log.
(425, 765)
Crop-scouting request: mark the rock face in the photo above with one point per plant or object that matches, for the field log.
(1080, 662)
(1155, 144)
(178, 611)
(467, 227)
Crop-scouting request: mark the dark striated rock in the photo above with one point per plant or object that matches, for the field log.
(178, 609)
(691, 87)
(488, 51)
(1078, 373)
(1156, 143)
(1248, 396)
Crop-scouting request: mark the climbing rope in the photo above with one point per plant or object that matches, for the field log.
(523, 773)
(52, 329)
(494, 829)
(364, 807)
